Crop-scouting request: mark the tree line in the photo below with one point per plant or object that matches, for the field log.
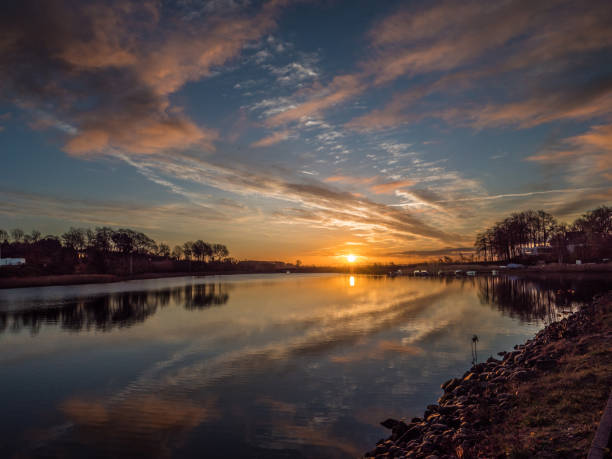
(538, 233)
(105, 249)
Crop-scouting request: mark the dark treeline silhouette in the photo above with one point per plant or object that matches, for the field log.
(106, 250)
(537, 235)
(116, 310)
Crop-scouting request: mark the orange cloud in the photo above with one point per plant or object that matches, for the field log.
(141, 136)
(111, 68)
(272, 139)
(591, 152)
(390, 187)
(453, 36)
(349, 179)
(340, 89)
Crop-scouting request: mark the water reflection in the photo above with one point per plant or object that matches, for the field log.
(123, 309)
(290, 367)
(540, 298)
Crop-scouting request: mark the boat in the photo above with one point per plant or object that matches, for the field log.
(471, 273)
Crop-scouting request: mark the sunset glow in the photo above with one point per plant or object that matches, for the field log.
(351, 258)
(396, 130)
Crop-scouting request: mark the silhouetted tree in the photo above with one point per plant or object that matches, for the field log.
(177, 252)
(17, 234)
(188, 250)
(75, 238)
(101, 239)
(219, 252)
(163, 250)
(124, 240)
(201, 250)
(510, 238)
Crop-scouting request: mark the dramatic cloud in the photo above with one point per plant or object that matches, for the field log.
(320, 205)
(472, 42)
(106, 70)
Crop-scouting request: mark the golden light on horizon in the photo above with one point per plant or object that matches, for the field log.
(351, 258)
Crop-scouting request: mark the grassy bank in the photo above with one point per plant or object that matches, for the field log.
(556, 415)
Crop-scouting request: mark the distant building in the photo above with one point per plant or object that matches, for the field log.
(12, 261)
(538, 250)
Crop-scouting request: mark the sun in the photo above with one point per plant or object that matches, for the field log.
(351, 258)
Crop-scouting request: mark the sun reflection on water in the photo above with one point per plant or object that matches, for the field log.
(352, 281)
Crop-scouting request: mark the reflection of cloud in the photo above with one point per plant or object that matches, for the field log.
(158, 424)
(383, 348)
(318, 437)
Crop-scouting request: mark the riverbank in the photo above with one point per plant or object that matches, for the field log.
(78, 279)
(480, 268)
(544, 399)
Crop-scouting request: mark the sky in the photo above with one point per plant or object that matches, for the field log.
(306, 130)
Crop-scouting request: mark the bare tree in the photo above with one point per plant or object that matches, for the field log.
(177, 252)
(17, 234)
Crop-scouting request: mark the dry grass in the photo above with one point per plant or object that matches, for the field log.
(557, 414)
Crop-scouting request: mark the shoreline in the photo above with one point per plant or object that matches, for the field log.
(79, 279)
(544, 399)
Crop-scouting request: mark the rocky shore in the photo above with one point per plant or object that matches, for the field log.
(488, 399)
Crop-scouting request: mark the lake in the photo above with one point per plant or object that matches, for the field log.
(255, 366)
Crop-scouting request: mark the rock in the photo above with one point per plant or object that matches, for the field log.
(439, 426)
(450, 384)
(398, 430)
(410, 434)
(390, 423)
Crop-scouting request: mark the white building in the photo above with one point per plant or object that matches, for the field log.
(12, 261)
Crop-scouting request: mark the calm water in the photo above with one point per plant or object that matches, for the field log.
(263, 366)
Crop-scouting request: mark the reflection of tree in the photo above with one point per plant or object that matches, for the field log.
(205, 295)
(539, 298)
(104, 313)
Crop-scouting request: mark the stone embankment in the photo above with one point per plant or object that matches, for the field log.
(472, 408)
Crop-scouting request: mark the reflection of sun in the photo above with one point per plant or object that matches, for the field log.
(351, 258)
(352, 281)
